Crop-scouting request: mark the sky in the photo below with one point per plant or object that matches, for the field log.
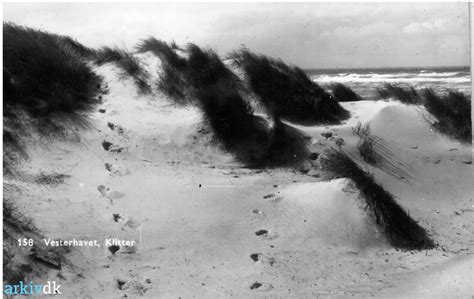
(310, 35)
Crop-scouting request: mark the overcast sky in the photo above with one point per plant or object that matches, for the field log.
(310, 35)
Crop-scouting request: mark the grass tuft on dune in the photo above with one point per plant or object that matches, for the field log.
(220, 96)
(286, 91)
(127, 62)
(453, 113)
(343, 93)
(171, 81)
(48, 86)
(452, 110)
(202, 79)
(400, 229)
(376, 152)
(406, 95)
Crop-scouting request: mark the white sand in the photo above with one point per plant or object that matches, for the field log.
(194, 211)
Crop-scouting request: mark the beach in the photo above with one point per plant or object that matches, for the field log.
(197, 223)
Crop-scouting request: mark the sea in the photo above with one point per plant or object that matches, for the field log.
(365, 82)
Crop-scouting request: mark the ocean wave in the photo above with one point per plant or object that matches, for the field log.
(447, 74)
(390, 78)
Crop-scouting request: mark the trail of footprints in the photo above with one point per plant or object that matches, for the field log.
(129, 223)
(264, 234)
(133, 285)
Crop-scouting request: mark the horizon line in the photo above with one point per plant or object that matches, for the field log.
(386, 67)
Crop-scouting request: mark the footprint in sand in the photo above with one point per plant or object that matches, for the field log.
(122, 249)
(272, 198)
(255, 257)
(256, 212)
(134, 286)
(115, 195)
(106, 145)
(265, 234)
(116, 128)
(110, 147)
(113, 249)
(116, 170)
(261, 286)
(105, 191)
(261, 258)
(126, 221)
(128, 249)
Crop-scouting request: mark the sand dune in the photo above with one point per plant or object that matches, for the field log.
(205, 226)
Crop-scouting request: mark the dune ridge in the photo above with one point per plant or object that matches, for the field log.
(189, 166)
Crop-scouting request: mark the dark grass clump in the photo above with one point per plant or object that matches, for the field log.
(344, 93)
(400, 229)
(287, 146)
(200, 77)
(205, 68)
(406, 95)
(128, 63)
(376, 152)
(250, 138)
(48, 87)
(287, 92)
(173, 85)
(171, 81)
(233, 124)
(42, 77)
(247, 136)
(453, 113)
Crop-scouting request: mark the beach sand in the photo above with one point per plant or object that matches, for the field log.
(205, 226)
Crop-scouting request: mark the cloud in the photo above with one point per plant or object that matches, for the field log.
(306, 34)
(436, 26)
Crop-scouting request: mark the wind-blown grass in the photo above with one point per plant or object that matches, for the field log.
(406, 95)
(452, 110)
(201, 78)
(344, 93)
(127, 62)
(206, 68)
(286, 91)
(453, 113)
(122, 58)
(400, 229)
(376, 152)
(48, 86)
(250, 138)
(171, 81)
